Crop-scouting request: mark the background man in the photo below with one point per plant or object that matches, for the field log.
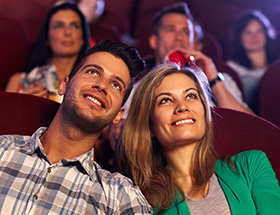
(173, 29)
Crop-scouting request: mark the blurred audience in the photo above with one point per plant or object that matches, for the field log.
(92, 9)
(62, 38)
(173, 30)
(198, 36)
(251, 51)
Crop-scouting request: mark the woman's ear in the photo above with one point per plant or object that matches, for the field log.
(153, 41)
(62, 86)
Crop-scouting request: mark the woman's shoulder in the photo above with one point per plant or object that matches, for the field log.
(250, 155)
(243, 160)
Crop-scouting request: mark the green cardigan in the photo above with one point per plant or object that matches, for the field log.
(253, 190)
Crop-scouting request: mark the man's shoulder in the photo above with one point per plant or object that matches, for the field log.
(113, 178)
(7, 141)
(122, 189)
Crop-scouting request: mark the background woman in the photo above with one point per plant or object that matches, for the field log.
(166, 148)
(62, 38)
(251, 51)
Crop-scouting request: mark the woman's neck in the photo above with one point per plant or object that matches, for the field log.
(63, 65)
(179, 162)
(258, 58)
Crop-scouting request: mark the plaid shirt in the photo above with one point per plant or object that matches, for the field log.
(30, 184)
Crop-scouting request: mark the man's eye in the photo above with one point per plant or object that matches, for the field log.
(117, 86)
(186, 31)
(169, 29)
(93, 72)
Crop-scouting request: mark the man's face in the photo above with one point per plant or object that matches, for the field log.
(175, 31)
(93, 97)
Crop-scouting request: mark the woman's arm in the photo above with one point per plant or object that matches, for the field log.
(13, 83)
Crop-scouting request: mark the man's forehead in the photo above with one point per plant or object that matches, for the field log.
(174, 19)
(109, 63)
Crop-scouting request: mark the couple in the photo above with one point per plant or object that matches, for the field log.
(165, 149)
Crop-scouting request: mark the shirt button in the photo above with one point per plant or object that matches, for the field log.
(49, 170)
(35, 196)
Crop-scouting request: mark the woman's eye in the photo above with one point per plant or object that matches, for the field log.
(164, 101)
(191, 96)
(75, 26)
(58, 26)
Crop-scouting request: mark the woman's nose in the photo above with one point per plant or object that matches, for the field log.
(67, 30)
(181, 108)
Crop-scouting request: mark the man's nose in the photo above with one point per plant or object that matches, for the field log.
(101, 85)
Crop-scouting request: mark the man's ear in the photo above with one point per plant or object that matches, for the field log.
(153, 41)
(62, 86)
(119, 116)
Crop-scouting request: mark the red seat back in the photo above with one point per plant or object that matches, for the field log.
(24, 114)
(236, 131)
(269, 94)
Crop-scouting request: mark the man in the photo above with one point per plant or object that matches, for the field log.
(173, 29)
(54, 172)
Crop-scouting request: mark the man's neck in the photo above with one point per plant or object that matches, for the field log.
(63, 141)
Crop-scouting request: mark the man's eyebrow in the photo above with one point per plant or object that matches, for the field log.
(93, 65)
(101, 69)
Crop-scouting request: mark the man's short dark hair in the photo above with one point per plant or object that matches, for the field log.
(127, 53)
(179, 8)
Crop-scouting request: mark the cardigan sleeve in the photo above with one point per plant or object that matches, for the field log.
(263, 184)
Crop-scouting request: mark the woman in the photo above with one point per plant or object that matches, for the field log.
(166, 148)
(62, 38)
(251, 51)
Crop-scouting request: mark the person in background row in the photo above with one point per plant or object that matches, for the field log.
(198, 36)
(173, 30)
(251, 51)
(53, 171)
(167, 149)
(92, 9)
(63, 37)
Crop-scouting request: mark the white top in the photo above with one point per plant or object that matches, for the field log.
(251, 80)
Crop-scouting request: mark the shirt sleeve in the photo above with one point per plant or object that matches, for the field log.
(132, 201)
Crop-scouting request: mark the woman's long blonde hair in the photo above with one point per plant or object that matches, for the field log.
(140, 155)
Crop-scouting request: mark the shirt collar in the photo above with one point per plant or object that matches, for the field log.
(34, 142)
(86, 159)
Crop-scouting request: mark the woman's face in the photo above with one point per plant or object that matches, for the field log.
(178, 116)
(65, 35)
(253, 37)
